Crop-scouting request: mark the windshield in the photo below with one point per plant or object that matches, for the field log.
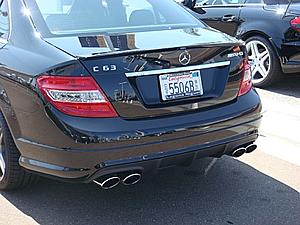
(63, 17)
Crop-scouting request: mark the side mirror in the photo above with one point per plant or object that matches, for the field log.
(4, 13)
(189, 3)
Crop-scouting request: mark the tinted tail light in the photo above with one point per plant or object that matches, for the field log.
(295, 24)
(246, 83)
(76, 96)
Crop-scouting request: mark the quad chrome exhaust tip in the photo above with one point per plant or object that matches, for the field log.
(113, 181)
(251, 148)
(132, 179)
(239, 152)
(108, 183)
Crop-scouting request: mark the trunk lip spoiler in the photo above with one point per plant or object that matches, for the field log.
(178, 69)
(141, 51)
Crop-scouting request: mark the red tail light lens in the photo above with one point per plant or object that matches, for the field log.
(246, 83)
(295, 24)
(76, 96)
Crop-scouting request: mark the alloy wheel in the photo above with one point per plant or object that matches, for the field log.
(2, 155)
(259, 59)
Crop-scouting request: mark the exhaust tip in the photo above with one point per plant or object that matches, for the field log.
(132, 179)
(239, 152)
(108, 183)
(251, 148)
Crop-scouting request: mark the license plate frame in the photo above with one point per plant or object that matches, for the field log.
(181, 85)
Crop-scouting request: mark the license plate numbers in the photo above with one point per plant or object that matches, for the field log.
(180, 85)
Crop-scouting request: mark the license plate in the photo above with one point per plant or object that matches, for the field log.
(180, 85)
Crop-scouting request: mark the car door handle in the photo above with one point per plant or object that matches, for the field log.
(229, 18)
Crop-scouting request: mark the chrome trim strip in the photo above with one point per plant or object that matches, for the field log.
(176, 70)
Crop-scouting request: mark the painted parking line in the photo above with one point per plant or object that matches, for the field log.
(280, 128)
(280, 148)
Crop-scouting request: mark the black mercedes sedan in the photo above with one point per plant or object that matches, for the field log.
(271, 29)
(106, 91)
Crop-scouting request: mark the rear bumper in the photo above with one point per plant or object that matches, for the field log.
(147, 163)
(191, 137)
(291, 59)
(291, 67)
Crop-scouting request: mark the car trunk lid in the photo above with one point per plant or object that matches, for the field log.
(130, 69)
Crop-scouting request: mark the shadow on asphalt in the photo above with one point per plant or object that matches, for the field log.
(231, 193)
(289, 85)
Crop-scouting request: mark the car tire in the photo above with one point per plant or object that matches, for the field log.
(12, 175)
(265, 65)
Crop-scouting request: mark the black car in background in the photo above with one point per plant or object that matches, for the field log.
(106, 91)
(271, 29)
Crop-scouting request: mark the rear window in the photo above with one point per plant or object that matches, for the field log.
(60, 17)
(294, 7)
(271, 2)
(285, 6)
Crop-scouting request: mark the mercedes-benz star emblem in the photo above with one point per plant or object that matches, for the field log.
(185, 58)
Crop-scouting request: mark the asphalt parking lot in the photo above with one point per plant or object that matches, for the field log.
(257, 189)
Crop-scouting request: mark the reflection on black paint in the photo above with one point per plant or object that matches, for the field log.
(117, 42)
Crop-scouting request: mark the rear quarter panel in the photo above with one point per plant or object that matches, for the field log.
(24, 57)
